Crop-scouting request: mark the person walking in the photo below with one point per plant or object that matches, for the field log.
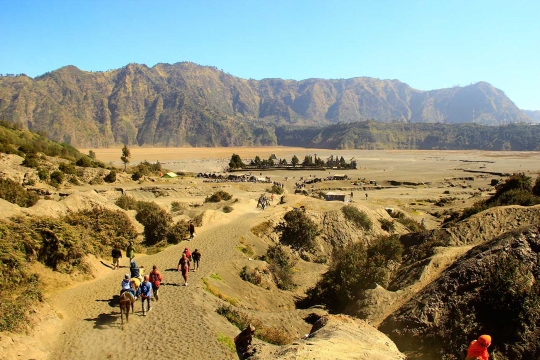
(155, 280)
(130, 251)
(366, 196)
(478, 348)
(116, 256)
(145, 292)
(196, 258)
(183, 265)
(191, 228)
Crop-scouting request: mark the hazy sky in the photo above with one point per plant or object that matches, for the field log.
(427, 44)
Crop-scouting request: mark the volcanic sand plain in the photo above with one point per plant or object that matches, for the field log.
(184, 324)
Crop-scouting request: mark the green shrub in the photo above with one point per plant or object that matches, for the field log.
(177, 232)
(357, 217)
(126, 202)
(31, 161)
(177, 206)
(74, 180)
(387, 225)
(67, 168)
(97, 180)
(15, 193)
(354, 269)
(84, 161)
(227, 342)
(43, 174)
(156, 221)
(411, 224)
(56, 177)
(218, 196)
(281, 264)
(299, 231)
(227, 209)
(110, 177)
(276, 190)
(251, 275)
(536, 188)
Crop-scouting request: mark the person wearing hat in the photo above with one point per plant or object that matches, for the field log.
(478, 348)
(145, 291)
(126, 285)
(243, 340)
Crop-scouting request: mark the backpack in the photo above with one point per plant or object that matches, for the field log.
(188, 254)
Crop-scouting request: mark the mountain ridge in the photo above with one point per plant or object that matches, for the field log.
(185, 104)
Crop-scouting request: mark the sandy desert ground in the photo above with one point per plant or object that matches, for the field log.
(183, 323)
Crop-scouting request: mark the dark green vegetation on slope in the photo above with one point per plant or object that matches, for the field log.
(60, 244)
(518, 189)
(373, 135)
(185, 104)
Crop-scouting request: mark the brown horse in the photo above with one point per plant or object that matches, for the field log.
(126, 300)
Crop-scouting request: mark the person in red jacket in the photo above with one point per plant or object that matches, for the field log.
(478, 348)
(155, 279)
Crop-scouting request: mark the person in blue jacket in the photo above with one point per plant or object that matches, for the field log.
(145, 291)
(134, 269)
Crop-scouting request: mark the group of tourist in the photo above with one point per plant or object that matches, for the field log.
(263, 201)
(146, 286)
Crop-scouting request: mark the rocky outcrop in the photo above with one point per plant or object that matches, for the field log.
(339, 337)
(464, 302)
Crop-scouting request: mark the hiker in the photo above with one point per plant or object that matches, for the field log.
(191, 229)
(145, 291)
(187, 253)
(130, 251)
(183, 265)
(478, 348)
(134, 269)
(196, 258)
(366, 196)
(116, 255)
(242, 342)
(351, 195)
(423, 223)
(155, 280)
(272, 197)
(126, 285)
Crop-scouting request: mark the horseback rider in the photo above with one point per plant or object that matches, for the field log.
(134, 269)
(127, 286)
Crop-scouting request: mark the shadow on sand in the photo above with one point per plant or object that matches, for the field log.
(114, 302)
(105, 321)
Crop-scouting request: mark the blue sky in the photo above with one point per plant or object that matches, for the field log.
(426, 44)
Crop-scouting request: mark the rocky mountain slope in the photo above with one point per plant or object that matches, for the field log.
(492, 289)
(533, 114)
(187, 104)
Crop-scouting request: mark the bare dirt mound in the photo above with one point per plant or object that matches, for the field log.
(340, 337)
(491, 223)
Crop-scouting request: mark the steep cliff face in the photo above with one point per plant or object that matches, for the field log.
(492, 289)
(188, 104)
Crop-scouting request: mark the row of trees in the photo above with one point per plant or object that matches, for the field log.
(309, 161)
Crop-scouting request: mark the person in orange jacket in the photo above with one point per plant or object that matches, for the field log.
(478, 348)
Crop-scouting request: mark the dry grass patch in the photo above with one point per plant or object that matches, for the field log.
(214, 291)
(262, 228)
(270, 334)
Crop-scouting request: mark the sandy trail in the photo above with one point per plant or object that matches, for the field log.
(181, 325)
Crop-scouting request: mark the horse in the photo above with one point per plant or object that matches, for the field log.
(126, 299)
